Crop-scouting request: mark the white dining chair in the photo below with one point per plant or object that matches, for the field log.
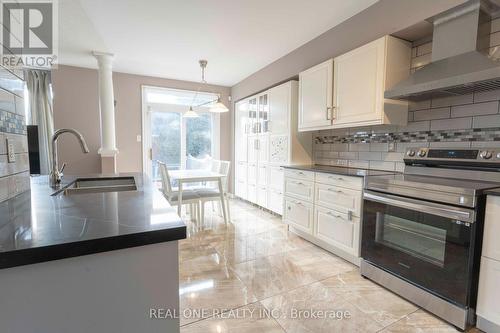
(212, 194)
(189, 197)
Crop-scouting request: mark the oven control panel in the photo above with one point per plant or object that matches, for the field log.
(471, 155)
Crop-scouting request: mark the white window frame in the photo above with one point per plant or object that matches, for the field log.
(146, 128)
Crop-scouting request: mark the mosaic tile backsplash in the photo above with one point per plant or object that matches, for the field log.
(471, 120)
(12, 123)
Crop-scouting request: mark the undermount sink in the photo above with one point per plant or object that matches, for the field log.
(98, 185)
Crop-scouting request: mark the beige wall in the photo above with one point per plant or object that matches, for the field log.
(382, 18)
(76, 105)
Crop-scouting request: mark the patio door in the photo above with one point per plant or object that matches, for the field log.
(179, 142)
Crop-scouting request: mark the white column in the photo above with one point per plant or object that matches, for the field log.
(106, 103)
(108, 148)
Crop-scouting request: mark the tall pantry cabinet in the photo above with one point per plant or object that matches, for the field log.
(266, 138)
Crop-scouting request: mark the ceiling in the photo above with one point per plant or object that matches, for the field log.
(166, 38)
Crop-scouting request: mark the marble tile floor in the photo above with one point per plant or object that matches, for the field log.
(252, 275)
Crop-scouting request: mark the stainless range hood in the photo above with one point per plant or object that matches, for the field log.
(460, 63)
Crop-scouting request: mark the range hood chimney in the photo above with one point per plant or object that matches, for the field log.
(460, 63)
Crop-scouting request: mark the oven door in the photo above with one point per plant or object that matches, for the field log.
(425, 243)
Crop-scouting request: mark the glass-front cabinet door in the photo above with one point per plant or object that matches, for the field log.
(253, 119)
(263, 107)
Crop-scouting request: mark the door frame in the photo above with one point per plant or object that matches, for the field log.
(146, 128)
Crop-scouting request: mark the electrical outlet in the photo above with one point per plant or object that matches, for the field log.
(392, 147)
(11, 154)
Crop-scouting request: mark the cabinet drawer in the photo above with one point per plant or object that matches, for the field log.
(338, 229)
(300, 189)
(338, 198)
(299, 174)
(491, 246)
(355, 183)
(275, 201)
(252, 193)
(262, 196)
(488, 299)
(241, 171)
(262, 175)
(241, 189)
(276, 178)
(252, 173)
(299, 214)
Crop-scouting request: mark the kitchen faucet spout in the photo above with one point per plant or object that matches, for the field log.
(56, 174)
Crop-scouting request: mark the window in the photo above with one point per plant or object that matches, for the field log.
(180, 142)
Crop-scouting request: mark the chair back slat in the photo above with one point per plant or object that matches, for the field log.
(225, 169)
(165, 178)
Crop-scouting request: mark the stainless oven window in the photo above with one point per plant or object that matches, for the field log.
(419, 240)
(428, 244)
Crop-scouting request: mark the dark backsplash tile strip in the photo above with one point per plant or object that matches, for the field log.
(12, 123)
(466, 135)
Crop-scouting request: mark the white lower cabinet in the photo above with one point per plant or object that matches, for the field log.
(299, 214)
(276, 178)
(275, 201)
(300, 189)
(252, 193)
(488, 299)
(241, 188)
(252, 173)
(338, 229)
(262, 196)
(489, 294)
(320, 208)
(339, 198)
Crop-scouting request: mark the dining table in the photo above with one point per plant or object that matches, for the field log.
(186, 176)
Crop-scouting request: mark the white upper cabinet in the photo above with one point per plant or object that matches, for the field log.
(348, 91)
(279, 104)
(315, 97)
(360, 78)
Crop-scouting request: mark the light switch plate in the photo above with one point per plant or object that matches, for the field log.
(139, 138)
(11, 154)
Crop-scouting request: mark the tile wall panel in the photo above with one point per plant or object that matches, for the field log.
(471, 120)
(14, 176)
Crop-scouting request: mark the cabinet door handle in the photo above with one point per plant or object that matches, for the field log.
(328, 109)
(334, 215)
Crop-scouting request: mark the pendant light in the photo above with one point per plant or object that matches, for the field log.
(215, 106)
(218, 107)
(190, 113)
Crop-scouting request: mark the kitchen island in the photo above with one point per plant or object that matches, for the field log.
(88, 262)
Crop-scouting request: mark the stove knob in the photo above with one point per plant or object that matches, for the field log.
(410, 153)
(498, 155)
(422, 153)
(486, 155)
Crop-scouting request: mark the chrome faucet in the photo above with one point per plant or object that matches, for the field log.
(56, 174)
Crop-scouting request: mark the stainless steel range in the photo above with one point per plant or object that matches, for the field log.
(422, 230)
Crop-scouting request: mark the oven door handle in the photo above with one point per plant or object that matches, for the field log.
(455, 213)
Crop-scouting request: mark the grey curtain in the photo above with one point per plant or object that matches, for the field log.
(41, 113)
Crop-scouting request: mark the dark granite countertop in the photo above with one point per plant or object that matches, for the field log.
(340, 170)
(37, 227)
